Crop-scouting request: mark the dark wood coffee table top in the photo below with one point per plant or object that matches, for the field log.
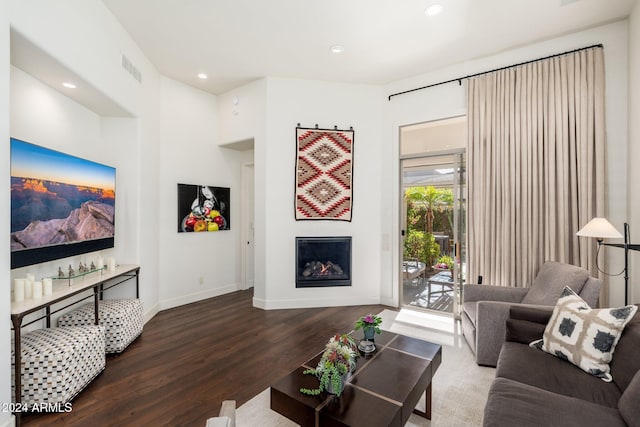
(383, 390)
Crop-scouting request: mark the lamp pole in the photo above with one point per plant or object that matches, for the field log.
(627, 247)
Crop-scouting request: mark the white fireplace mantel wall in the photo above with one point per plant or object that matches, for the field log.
(290, 102)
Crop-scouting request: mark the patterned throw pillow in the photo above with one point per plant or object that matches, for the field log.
(584, 336)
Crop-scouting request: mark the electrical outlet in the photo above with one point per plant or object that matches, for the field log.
(201, 280)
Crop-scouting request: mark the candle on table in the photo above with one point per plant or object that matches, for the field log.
(28, 288)
(18, 289)
(47, 286)
(111, 262)
(37, 289)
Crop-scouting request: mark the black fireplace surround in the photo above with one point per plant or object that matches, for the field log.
(323, 261)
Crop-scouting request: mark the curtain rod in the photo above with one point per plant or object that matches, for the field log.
(459, 79)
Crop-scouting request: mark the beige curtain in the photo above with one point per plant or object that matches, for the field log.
(535, 166)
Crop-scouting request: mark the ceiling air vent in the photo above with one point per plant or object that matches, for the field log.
(131, 69)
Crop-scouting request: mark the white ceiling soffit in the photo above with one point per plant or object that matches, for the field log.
(34, 61)
(238, 41)
(244, 145)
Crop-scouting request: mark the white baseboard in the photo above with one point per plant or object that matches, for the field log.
(391, 302)
(198, 296)
(148, 315)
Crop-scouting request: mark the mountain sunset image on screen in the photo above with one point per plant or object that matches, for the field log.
(58, 199)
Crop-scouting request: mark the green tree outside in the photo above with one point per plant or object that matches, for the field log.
(428, 208)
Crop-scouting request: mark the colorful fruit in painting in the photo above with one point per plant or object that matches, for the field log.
(219, 220)
(200, 225)
(191, 221)
(212, 226)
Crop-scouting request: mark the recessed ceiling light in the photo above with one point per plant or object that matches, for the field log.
(202, 76)
(337, 48)
(69, 85)
(433, 10)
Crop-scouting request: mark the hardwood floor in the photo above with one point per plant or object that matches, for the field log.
(191, 358)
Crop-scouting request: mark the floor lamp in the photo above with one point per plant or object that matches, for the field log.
(600, 229)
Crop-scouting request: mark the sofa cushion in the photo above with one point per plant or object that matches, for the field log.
(523, 364)
(626, 362)
(523, 331)
(515, 404)
(471, 309)
(583, 336)
(551, 280)
(628, 405)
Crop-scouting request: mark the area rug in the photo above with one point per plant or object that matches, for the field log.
(460, 387)
(324, 174)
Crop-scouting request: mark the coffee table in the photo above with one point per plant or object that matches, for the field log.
(383, 391)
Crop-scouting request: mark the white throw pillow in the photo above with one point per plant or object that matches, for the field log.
(584, 336)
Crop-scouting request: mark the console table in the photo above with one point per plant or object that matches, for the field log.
(383, 390)
(98, 281)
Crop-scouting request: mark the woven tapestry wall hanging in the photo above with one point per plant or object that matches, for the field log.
(324, 174)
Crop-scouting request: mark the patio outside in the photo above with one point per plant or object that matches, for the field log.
(428, 255)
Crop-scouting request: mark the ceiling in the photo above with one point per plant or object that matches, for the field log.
(238, 41)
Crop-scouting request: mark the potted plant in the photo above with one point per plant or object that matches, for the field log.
(370, 325)
(338, 359)
(445, 262)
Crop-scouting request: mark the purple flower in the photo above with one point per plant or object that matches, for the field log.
(368, 319)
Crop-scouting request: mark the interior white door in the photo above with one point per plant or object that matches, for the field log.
(248, 228)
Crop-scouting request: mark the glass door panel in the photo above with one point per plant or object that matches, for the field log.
(433, 231)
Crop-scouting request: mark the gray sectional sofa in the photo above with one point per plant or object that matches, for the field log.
(486, 307)
(533, 388)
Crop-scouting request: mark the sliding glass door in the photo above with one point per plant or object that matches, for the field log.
(433, 230)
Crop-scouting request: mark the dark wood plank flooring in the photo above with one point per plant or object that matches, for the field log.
(191, 358)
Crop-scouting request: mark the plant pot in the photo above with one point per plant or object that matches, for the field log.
(369, 333)
(332, 390)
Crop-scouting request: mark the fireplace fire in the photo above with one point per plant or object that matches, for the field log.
(323, 261)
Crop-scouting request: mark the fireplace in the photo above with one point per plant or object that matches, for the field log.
(323, 261)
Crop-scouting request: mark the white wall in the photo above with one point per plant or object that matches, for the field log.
(248, 122)
(84, 36)
(6, 418)
(450, 100)
(189, 154)
(46, 117)
(245, 119)
(633, 159)
(327, 104)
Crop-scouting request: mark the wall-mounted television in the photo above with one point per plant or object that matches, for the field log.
(61, 205)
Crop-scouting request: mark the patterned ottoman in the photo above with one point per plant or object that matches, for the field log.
(122, 319)
(57, 363)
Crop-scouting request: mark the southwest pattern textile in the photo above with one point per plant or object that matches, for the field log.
(584, 336)
(324, 174)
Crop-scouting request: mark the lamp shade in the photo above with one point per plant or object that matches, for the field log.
(599, 228)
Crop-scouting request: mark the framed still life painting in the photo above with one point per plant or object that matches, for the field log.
(203, 208)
